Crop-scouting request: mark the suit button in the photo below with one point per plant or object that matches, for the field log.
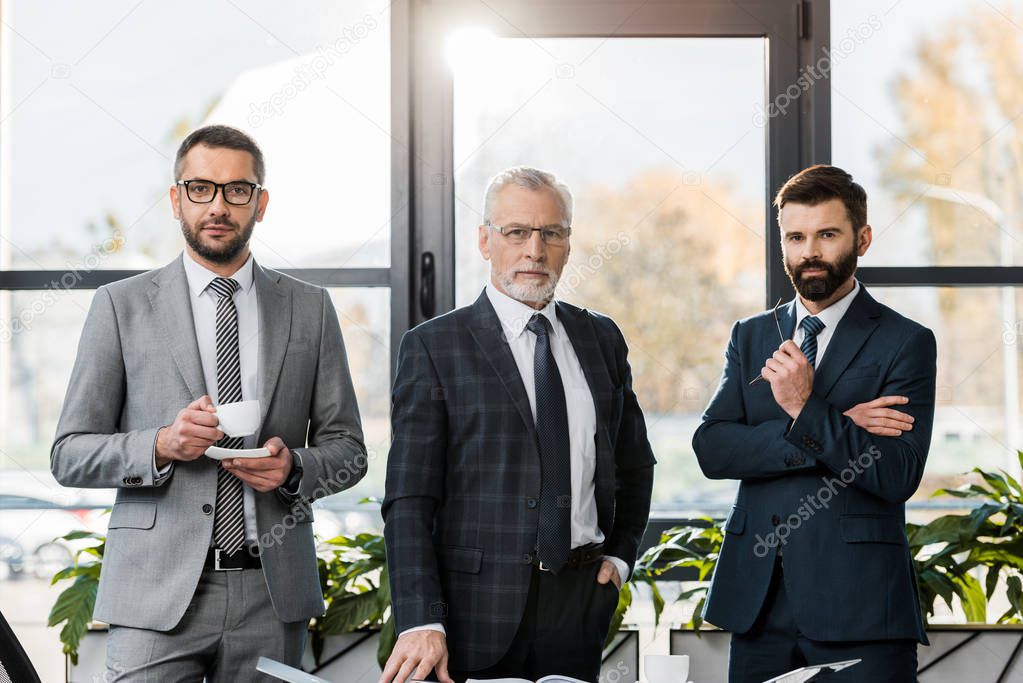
(207, 508)
(530, 503)
(775, 520)
(527, 559)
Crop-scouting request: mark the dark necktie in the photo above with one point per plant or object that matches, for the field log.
(229, 519)
(554, 538)
(811, 328)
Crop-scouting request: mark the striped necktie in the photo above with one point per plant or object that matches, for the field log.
(229, 520)
(812, 326)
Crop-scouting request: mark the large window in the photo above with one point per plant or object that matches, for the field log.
(669, 224)
(925, 113)
(94, 101)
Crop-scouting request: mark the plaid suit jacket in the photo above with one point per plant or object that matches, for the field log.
(464, 465)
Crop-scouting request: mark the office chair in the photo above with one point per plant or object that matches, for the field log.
(15, 666)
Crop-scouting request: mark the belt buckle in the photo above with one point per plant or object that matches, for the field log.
(216, 563)
(542, 567)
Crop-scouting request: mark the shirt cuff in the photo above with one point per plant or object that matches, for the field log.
(160, 474)
(621, 566)
(425, 627)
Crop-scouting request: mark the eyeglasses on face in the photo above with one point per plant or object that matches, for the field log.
(552, 235)
(236, 192)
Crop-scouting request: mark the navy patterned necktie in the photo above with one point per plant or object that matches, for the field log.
(812, 326)
(554, 537)
(229, 519)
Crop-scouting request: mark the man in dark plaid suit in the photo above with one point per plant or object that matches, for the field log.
(519, 477)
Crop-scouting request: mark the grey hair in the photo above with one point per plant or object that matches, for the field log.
(531, 179)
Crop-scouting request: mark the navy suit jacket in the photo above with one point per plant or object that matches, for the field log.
(463, 474)
(830, 494)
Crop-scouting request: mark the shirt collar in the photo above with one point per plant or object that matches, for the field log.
(515, 315)
(831, 315)
(199, 277)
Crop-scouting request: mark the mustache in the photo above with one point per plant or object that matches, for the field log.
(813, 265)
(218, 223)
(534, 268)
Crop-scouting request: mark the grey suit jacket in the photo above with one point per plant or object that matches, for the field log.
(138, 365)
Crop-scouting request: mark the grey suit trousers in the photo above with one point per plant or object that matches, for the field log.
(228, 625)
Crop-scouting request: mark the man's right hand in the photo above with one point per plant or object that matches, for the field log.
(416, 654)
(193, 431)
(877, 418)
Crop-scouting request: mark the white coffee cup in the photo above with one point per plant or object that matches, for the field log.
(666, 668)
(239, 419)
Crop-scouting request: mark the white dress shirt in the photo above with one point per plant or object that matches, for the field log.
(582, 414)
(830, 316)
(204, 315)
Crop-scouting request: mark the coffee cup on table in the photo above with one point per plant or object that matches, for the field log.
(666, 668)
(238, 419)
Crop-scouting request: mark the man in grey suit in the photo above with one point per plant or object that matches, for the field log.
(519, 476)
(208, 566)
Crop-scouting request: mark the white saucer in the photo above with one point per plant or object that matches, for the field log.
(218, 453)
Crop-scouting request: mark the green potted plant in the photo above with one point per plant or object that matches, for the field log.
(948, 553)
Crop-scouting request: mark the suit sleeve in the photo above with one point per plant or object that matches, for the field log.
(89, 450)
(634, 469)
(888, 467)
(415, 487)
(727, 447)
(335, 458)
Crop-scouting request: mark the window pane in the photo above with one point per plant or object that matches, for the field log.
(85, 157)
(977, 399)
(925, 114)
(669, 220)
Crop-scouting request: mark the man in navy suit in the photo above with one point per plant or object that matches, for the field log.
(519, 476)
(815, 566)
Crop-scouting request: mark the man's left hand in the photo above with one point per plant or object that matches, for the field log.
(609, 572)
(263, 474)
(791, 378)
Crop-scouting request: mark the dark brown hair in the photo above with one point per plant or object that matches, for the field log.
(820, 183)
(221, 136)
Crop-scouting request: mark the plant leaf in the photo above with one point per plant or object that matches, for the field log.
(972, 597)
(349, 612)
(74, 606)
(387, 640)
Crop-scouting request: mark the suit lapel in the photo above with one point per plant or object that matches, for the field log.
(587, 349)
(855, 327)
(486, 330)
(172, 307)
(274, 303)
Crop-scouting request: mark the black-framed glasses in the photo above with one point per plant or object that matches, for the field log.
(236, 192)
(552, 235)
(781, 335)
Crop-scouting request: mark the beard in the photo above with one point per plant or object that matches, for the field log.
(221, 251)
(821, 287)
(526, 293)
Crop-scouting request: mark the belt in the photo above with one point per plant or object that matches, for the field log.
(219, 561)
(577, 557)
